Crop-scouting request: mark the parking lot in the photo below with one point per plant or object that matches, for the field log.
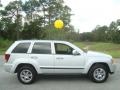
(79, 82)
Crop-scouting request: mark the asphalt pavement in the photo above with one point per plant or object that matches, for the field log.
(9, 81)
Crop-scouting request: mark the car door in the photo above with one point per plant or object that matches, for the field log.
(65, 61)
(42, 53)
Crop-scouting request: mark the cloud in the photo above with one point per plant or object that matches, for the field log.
(89, 13)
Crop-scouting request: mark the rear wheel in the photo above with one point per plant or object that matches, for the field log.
(26, 74)
(98, 73)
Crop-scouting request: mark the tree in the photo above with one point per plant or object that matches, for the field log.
(24, 20)
(33, 30)
(55, 9)
(15, 19)
(114, 32)
(31, 9)
(100, 33)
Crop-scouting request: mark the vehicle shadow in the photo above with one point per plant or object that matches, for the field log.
(62, 78)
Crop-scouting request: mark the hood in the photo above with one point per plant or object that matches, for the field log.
(97, 54)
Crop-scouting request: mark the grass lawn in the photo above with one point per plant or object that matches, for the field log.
(4, 45)
(108, 48)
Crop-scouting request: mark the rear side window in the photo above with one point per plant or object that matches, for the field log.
(21, 48)
(41, 48)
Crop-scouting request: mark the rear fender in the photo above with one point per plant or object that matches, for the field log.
(26, 61)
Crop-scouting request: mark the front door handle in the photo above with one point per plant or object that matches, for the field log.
(59, 58)
(34, 57)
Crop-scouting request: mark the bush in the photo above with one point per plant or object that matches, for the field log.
(4, 43)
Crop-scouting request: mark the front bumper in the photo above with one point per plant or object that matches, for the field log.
(112, 68)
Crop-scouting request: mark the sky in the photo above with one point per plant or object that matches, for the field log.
(89, 13)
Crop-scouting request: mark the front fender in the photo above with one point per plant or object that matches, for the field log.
(93, 60)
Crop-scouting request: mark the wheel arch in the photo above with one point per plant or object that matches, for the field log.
(102, 63)
(24, 61)
(25, 64)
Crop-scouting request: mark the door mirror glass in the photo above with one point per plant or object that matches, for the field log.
(74, 52)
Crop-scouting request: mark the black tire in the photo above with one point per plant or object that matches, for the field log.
(26, 73)
(95, 73)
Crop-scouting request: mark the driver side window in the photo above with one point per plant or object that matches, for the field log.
(63, 49)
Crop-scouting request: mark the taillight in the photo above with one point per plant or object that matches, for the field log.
(7, 56)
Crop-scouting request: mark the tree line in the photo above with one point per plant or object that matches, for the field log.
(104, 33)
(33, 19)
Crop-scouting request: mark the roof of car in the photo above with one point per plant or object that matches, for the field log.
(40, 41)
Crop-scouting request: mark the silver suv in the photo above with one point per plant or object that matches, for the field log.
(28, 58)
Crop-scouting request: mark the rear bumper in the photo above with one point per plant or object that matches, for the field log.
(8, 67)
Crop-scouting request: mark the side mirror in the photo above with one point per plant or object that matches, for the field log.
(74, 52)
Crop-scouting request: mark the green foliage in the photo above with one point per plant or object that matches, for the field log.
(61, 35)
(99, 34)
(38, 19)
(4, 44)
(11, 21)
(87, 36)
(109, 33)
(32, 24)
(33, 30)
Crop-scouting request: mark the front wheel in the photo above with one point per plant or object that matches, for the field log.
(26, 75)
(98, 73)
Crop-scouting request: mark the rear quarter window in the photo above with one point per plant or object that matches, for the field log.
(21, 48)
